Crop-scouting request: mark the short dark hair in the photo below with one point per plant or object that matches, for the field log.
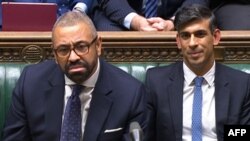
(192, 13)
(71, 18)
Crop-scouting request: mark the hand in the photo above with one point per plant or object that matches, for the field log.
(140, 23)
(161, 24)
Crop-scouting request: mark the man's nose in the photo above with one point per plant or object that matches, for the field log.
(73, 56)
(192, 41)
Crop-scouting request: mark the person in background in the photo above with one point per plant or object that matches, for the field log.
(119, 15)
(232, 14)
(193, 99)
(166, 10)
(129, 15)
(76, 97)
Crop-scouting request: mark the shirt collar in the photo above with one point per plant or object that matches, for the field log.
(89, 82)
(189, 75)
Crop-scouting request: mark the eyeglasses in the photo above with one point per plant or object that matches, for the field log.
(80, 48)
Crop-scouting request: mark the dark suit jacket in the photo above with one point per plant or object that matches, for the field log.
(239, 20)
(216, 3)
(109, 15)
(168, 8)
(165, 84)
(37, 104)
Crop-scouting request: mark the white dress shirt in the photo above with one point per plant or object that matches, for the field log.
(85, 95)
(128, 19)
(208, 105)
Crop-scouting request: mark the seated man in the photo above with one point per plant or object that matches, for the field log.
(166, 10)
(119, 15)
(124, 15)
(76, 97)
(193, 99)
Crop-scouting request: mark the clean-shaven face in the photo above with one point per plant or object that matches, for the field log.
(196, 42)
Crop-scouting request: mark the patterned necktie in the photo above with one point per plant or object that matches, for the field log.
(151, 8)
(197, 110)
(72, 122)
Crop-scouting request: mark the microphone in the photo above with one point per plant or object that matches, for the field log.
(135, 131)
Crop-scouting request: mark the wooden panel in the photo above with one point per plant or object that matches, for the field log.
(31, 47)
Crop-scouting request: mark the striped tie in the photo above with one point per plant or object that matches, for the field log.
(151, 8)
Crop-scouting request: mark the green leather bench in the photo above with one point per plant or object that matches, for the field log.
(9, 74)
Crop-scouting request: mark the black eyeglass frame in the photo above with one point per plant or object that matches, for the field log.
(87, 46)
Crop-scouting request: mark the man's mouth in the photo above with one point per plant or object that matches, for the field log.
(195, 54)
(76, 68)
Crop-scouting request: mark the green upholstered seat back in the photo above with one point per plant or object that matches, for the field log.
(9, 74)
(138, 70)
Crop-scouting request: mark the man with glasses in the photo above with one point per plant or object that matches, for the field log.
(103, 102)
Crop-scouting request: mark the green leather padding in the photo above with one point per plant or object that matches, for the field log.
(138, 70)
(9, 74)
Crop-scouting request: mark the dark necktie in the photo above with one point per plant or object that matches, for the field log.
(197, 110)
(151, 8)
(72, 121)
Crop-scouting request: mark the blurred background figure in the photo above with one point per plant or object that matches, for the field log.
(166, 10)
(119, 15)
(63, 5)
(232, 14)
(124, 15)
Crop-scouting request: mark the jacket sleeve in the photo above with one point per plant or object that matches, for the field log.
(117, 10)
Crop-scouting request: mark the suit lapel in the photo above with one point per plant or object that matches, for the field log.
(54, 99)
(99, 106)
(175, 92)
(222, 98)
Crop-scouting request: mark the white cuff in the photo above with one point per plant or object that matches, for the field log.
(80, 6)
(128, 19)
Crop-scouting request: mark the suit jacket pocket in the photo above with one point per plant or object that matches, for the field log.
(111, 136)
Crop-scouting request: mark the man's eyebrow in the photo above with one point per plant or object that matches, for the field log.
(64, 45)
(80, 42)
(200, 30)
(185, 33)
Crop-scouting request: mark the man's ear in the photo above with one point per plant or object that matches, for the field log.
(54, 54)
(178, 41)
(217, 36)
(99, 45)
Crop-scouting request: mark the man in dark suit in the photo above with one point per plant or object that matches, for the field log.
(119, 15)
(232, 14)
(225, 97)
(166, 13)
(110, 100)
